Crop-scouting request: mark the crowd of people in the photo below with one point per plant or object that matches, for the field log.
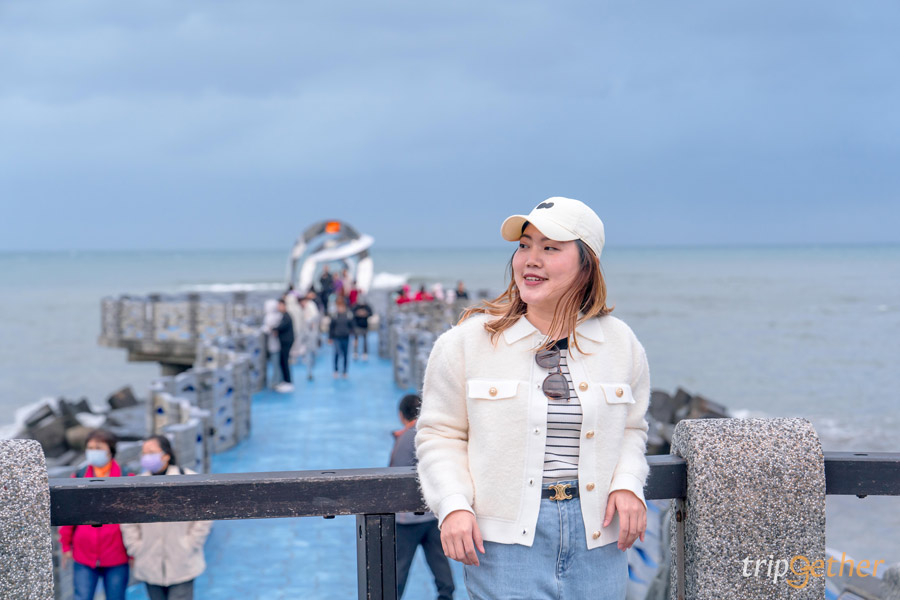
(437, 293)
(166, 557)
(294, 324)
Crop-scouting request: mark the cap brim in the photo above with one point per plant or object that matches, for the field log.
(511, 230)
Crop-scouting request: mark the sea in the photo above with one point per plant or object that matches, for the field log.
(800, 331)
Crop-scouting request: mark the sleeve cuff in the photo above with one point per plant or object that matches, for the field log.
(450, 504)
(626, 481)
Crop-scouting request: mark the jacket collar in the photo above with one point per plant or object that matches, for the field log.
(590, 329)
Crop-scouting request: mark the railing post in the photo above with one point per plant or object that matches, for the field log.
(755, 504)
(376, 557)
(26, 562)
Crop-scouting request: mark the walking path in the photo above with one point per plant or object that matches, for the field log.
(323, 424)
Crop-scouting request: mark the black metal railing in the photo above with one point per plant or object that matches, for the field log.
(373, 495)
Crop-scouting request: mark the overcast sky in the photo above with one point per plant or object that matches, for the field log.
(225, 124)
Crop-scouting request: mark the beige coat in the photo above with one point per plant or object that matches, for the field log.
(167, 553)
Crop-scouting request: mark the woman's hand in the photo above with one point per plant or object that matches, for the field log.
(66, 557)
(632, 517)
(460, 537)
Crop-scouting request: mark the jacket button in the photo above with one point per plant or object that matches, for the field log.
(493, 391)
(619, 392)
(536, 431)
(596, 535)
(589, 434)
(590, 487)
(583, 386)
(523, 532)
(531, 482)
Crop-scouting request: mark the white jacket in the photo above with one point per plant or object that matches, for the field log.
(482, 427)
(167, 553)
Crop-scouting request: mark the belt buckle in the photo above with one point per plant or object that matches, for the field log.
(560, 491)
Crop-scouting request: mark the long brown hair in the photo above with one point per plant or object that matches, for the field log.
(586, 296)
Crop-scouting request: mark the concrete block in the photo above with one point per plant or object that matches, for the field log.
(26, 559)
(133, 318)
(172, 321)
(755, 500)
(183, 437)
(51, 434)
(128, 455)
(168, 410)
(122, 398)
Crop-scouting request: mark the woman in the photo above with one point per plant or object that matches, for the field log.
(167, 556)
(271, 320)
(98, 552)
(361, 314)
(537, 401)
(339, 331)
(307, 343)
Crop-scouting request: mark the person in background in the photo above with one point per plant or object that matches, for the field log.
(285, 331)
(292, 304)
(167, 556)
(417, 530)
(404, 296)
(97, 552)
(437, 291)
(353, 296)
(346, 282)
(270, 322)
(339, 332)
(422, 295)
(307, 343)
(461, 292)
(361, 314)
(326, 286)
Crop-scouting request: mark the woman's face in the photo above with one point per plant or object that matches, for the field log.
(152, 447)
(544, 269)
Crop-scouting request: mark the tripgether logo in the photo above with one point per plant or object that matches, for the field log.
(803, 568)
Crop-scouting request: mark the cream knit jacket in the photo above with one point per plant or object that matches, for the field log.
(481, 431)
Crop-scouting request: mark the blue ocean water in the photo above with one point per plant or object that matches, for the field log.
(767, 331)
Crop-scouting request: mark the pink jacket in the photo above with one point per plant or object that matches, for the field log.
(95, 546)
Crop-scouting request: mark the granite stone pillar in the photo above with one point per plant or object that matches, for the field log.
(754, 517)
(26, 563)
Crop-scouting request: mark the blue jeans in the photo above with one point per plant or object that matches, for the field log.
(115, 581)
(341, 346)
(557, 566)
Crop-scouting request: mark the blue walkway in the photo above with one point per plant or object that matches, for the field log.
(324, 424)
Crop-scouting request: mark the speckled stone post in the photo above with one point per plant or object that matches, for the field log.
(26, 564)
(755, 500)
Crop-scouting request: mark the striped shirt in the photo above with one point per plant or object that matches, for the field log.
(563, 428)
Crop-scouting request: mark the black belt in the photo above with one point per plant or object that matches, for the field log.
(560, 491)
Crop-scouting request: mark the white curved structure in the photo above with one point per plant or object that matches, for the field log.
(331, 241)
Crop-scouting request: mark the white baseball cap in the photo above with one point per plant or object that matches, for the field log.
(560, 219)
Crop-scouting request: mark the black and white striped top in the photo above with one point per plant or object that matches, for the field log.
(563, 428)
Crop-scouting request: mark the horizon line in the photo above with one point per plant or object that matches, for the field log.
(667, 246)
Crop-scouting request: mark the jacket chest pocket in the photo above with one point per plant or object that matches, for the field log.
(616, 393)
(491, 389)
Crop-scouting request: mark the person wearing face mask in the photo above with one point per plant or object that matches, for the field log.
(167, 556)
(97, 552)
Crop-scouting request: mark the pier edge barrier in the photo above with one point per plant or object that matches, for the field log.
(25, 548)
(755, 500)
